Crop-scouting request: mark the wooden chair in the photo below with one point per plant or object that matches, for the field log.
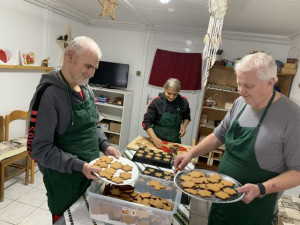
(13, 160)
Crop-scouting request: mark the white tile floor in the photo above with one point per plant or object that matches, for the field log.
(25, 205)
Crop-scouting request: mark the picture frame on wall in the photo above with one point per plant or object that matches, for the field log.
(28, 58)
(7, 56)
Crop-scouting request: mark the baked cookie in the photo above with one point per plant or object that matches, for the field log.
(227, 183)
(125, 175)
(126, 168)
(117, 180)
(230, 191)
(188, 184)
(213, 187)
(196, 174)
(222, 195)
(204, 193)
(116, 165)
(190, 190)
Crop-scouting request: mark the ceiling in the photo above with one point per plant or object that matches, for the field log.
(267, 17)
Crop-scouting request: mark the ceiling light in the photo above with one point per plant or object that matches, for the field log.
(165, 1)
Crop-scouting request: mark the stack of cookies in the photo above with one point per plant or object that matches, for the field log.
(198, 183)
(128, 193)
(109, 169)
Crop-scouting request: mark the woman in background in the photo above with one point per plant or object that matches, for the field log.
(167, 115)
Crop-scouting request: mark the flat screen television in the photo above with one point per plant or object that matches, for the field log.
(111, 75)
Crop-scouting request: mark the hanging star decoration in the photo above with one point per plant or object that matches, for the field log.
(108, 7)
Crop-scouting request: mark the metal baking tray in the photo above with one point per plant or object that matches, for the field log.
(213, 198)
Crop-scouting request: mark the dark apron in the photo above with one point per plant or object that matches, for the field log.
(168, 126)
(239, 161)
(80, 139)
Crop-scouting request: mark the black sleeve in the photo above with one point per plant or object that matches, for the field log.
(153, 114)
(187, 112)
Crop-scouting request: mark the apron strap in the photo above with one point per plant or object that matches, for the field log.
(266, 110)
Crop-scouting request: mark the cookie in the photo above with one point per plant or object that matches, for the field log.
(188, 184)
(105, 174)
(222, 195)
(230, 191)
(126, 168)
(125, 175)
(196, 174)
(204, 193)
(190, 190)
(213, 187)
(110, 171)
(116, 165)
(215, 176)
(106, 159)
(156, 184)
(186, 178)
(117, 180)
(227, 183)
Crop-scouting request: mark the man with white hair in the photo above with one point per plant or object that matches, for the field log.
(63, 135)
(261, 136)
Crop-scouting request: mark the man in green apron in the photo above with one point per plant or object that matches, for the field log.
(167, 115)
(63, 135)
(261, 136)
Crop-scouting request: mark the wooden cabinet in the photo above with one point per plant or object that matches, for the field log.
(221, 88)
(114, 114)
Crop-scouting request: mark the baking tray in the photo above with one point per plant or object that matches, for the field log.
(213, 198)
(141, 156)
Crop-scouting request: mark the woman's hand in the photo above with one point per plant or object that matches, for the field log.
(182, 132)
(110, 150)
(158, 142)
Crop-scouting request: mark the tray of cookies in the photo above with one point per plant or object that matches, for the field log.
(154, 157)
(120, 171)
(208, 185)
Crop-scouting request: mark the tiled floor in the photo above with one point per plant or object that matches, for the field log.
(25, 205)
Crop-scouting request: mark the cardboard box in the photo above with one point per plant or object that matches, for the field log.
(115, 127)
(290, 65)
(104, 126)
(114, 139)
(288, 70)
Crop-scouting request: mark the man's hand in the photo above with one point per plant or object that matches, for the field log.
(182, 160)
(88, 171)
(251, 192)
(110, 150)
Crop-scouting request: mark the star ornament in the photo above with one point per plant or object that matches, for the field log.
(108, 7)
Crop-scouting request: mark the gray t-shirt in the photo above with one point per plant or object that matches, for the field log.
(277, 145)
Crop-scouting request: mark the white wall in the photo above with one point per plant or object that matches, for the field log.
(30, 27)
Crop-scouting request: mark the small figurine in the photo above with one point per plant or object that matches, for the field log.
(45, 62)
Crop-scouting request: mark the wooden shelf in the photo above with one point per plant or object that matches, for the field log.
(16, 67)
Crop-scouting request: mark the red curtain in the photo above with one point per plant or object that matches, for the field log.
(186, 67)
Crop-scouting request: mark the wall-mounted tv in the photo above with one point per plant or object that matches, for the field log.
(111, 75)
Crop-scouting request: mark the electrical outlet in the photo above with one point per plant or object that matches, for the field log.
(138, 73)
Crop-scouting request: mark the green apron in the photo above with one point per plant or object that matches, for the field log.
(239, 161)
(80, 139)
(168, 126)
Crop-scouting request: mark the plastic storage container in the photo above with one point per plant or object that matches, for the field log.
(120, 212)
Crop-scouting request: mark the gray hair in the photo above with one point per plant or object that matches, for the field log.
(172, 83)
(82, 43)
(263, 65)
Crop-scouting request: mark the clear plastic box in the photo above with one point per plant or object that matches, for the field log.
(120, 212)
